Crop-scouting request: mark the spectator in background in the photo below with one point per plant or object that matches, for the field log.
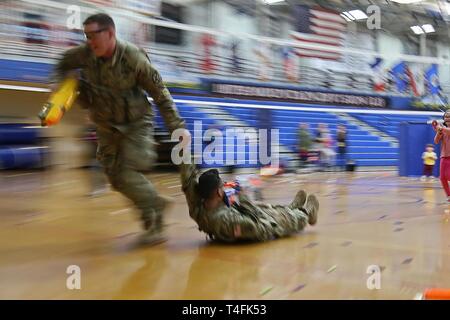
(320, 142)
(319, 133)
(304, 143)
(341, 138)
(328, 154)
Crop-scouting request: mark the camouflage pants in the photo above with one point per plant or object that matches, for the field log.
(289, 220)
(123, 157)
(281, 220)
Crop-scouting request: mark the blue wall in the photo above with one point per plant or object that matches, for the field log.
(413, 139)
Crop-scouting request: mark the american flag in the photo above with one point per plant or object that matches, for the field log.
(318, 26)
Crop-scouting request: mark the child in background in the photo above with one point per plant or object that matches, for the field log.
(429, 159)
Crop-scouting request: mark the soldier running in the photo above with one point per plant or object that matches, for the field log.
(113, 80)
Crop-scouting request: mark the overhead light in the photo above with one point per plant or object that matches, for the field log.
(347, 16)
(272, 1)
(353, 15)
(406, 1)
(417, 29)
(428, 28)
(358, 14)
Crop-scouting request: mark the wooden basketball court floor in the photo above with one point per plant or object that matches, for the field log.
(48, 224)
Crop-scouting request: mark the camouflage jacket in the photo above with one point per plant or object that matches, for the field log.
(114, 89)
(244, 220)
(304, 140)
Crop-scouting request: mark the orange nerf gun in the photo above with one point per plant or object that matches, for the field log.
(435, 294)
(60, 102)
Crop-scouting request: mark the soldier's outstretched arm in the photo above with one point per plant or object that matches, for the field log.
(189, 174)
(189, 177)
(72, 59)
(150, 80)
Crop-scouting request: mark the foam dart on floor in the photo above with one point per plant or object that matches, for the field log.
(436, 294)
(266, 290)
(333, 268)
(59, 103)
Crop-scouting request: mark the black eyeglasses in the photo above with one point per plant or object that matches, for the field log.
(91, 34)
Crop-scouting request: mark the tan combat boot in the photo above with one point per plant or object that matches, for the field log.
(299, 200)
(312, 207)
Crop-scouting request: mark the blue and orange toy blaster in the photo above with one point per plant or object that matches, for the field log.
(232, 190)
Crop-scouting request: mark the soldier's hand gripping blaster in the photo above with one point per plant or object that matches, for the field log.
(59, 103)
(232, 190)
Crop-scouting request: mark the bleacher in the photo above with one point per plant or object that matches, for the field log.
(389, 124)
(191, 113)
(39, 59)
(363, 147)
(21, 147)
(162, 136)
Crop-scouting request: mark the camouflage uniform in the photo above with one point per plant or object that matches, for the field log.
(244, 221)
(114, 92)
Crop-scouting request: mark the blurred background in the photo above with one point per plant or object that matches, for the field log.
(347, 85)
(349, 63)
